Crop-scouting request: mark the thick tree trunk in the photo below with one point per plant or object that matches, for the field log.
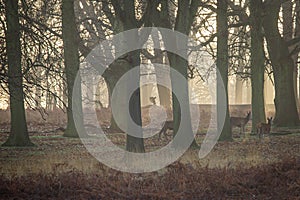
(181, 91)
(71, 55)
(18, 130)
(257, 64)
(183, 22)
(222, 66)
(126, 20)
(297, 34)
(135, 144)
(288, 32)
(111, 77)
(283, 67)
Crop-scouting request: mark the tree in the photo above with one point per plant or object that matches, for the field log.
(290, 32)
(257, 63)
(163, 92)
(183, 22)
(222, 66)
(283, 67)
(125, 19)
(71, 55)
(18, 131)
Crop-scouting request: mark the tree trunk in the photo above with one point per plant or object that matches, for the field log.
(288, 32)
(238, 90)
(126, 20)
(135, 144)
(283, 68)
(297, 34)
(222, 66)
(183, 22)
(71, 56)
(163, 92)
(239, 80)
(111, 77)
(18, 130)
(257, 64)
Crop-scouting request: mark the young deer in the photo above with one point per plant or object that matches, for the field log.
(168, 125)
(263, 128)
(240, 122)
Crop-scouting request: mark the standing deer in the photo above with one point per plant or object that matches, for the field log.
(168, 125)
(240, 122)
(263, 128)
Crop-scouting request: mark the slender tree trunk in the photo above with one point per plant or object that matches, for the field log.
(238, 90)
(71, 55)
(38, 91)
(239, 80)
(257, 64)
(222, 66)
(283, 68)
(18, 130)
(163, 92)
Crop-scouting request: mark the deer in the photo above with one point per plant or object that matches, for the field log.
(168, 125)
(264, 128)
(240, 122)
(153, 100)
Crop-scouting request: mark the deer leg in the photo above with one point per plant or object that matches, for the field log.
(162, 131)
(159, 134)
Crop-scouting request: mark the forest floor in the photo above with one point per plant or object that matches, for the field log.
(62, 168)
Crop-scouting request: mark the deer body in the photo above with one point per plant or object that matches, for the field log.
(240, 122)
(264, 128)
(168, 125)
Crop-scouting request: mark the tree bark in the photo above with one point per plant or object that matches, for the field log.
(135, 144)
(71, 56)
(288, 32)
(111, 77)
(125, 12)
(238, 90)
(297, 34)
(222, 66)
(283, 68)
(163, 92)
(185, 17)
(18, 129)
(257, 64)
